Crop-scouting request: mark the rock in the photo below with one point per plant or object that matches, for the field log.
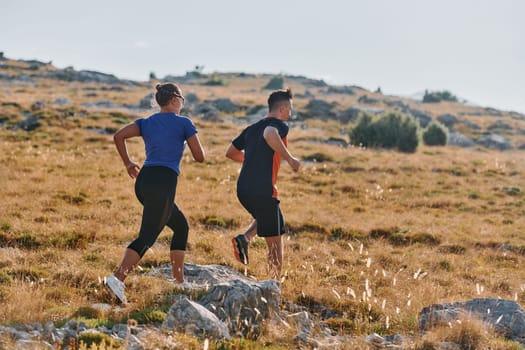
(257, 115)
(33, 344)
(471, 125)
(494, 141)
(240, 302)
(457, 139)
(352, 113)
(422, 117)
(225, 105)
(346, 90)
(193, 318)
(147, 101)
(62, 101)
(304, 325)
(104, 104)
(499, 125)
(506, 316)
(449, 120)
(38, 105)
(319, 109)
(368, 100)
(30, 123)
(243, 305)
(207, 112)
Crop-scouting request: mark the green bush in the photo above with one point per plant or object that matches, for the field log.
(363, 134)
(390, 130)
(438, 96)
(318, 157)
(435, 134)
(104, 341)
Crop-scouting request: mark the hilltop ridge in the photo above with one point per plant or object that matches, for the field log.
(233, 96)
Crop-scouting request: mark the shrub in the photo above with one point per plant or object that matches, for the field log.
(218, 222)
(435, 134)
(5, 278)
(318, 157)
(104, 341)
(275, 83)
(363, 134)
(214, 81)
(390, 130)
(70, 240)
(438, 96)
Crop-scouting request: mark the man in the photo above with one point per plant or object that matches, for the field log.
(260, 148)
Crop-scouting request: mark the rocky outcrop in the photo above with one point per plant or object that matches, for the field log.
(494, 141)
(505, 316)
(457, 139)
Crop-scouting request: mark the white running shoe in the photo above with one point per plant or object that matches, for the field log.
(184, 286)
(116, 286)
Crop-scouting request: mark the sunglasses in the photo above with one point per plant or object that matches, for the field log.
(179, 96)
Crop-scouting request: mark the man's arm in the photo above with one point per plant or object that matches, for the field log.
(273, 139)
(234, 154)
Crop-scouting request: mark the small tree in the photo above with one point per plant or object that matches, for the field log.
(435, 134)
(391, 130)
(438, 96)
(363, 134)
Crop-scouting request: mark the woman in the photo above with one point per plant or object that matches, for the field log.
(165, 135)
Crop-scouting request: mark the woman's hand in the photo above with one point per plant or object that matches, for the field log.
(133, 169)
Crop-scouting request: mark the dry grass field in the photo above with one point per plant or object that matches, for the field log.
(374, 234)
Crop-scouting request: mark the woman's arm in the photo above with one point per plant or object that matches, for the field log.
(130, 130)
(196, 148)
(234, 154)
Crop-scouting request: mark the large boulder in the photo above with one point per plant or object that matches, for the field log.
(494, 141)
(225, 105)
(194, 319)
(422, 117)
(457, 139)
(506, 316)
(449, 120)
(240, 302)
(352, 113)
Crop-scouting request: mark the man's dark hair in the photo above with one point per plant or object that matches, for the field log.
(165, 93)
(279, 96)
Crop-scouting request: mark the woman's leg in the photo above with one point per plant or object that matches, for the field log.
(129, 260)
(178, 223)
(155, 189)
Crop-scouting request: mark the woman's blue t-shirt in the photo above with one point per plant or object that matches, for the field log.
(165, 136)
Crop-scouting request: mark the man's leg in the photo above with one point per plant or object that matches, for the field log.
(251, 231)
(275, 256)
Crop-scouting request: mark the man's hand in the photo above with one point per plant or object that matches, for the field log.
(294, 163)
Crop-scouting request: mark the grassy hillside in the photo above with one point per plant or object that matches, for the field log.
(374, 234)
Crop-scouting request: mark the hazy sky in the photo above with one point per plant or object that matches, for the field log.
(473, 48)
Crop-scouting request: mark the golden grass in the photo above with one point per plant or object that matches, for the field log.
(376, 235)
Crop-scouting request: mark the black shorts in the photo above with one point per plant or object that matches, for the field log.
(265, 210)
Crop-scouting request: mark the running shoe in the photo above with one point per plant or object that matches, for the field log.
(185, 286)
(116, 287)
(240, 248)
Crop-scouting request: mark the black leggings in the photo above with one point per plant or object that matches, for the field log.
(155, 188)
